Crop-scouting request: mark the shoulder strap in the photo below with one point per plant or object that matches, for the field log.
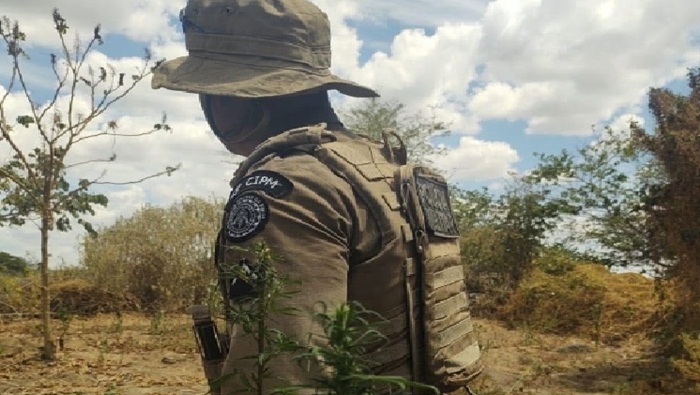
(306, 138)
(371, 178)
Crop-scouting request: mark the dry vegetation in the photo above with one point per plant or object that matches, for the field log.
(581, 331)
(587, 301)
(104, 354)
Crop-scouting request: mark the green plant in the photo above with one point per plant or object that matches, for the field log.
(65, 317)
(118, 324)
(104, 349)
(350, 332)
(112, 390)
(156, 323)
(251, 313)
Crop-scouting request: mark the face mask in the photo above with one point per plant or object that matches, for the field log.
(233, 120)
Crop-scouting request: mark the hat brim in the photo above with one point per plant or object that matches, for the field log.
(247, 79)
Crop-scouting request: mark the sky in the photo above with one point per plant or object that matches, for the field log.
(511, 77)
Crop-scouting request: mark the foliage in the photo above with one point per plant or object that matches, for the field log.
(253, 313)
(163, 256)
(18, 294)
(556, 260)
(473, 208)
(673, 213)
(78, 297)
(673, 218)
(374, 117)
(38, 181)
(13, 265)
(350, 332)
(531, 213)
(35, 181)
(603, 184)
(501, 236)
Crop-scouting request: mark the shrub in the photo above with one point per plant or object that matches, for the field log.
(561, 304)
(587, 300)
(78, 297)
(689, 365)
(19, 294)
(163, 256)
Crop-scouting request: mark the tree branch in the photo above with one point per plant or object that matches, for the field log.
(111, 159)
(15, 180)
(140, 134)
(168, 171)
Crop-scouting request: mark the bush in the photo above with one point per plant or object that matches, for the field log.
(555, 261)
(587, 300)
(78, 297)
(689, 365)
(162, 256)
(561, 304)
(19, 294)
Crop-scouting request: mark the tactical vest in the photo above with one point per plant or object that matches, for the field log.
(415, 280)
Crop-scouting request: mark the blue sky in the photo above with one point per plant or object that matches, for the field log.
(512, 77)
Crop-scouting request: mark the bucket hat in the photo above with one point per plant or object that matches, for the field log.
(254, 48)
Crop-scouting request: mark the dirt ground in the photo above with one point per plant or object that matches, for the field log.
(138, 355)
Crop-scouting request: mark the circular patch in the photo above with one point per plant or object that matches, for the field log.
(247, 217)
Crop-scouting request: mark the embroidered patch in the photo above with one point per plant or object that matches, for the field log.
(273, 184)
(434, 197)
(247, 216)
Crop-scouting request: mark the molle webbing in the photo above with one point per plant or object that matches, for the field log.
(451, 354)
(367, 178)
(372, 177)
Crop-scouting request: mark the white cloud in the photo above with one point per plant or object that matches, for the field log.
(425, 71)
(137, 19)
(622, 122)
(560, 66)
(345, 41)
(477, 160)
(564, 65)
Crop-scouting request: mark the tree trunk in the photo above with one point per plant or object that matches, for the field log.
(49, 351)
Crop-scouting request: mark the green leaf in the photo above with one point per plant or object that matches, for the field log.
(25, 120)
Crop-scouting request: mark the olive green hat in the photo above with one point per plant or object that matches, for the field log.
(254, 48)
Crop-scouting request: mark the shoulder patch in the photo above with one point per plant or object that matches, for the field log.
(247, 215)
(270, 182)
(434, 197)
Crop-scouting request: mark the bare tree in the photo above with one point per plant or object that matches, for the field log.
(38, 182)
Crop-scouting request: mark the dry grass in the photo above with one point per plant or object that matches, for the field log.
(581, 331)
(585, 301)
(134, 354)
(106, 354)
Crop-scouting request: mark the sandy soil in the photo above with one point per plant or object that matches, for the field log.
(137, 355)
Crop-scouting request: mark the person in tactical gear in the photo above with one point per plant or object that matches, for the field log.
(350, 218)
